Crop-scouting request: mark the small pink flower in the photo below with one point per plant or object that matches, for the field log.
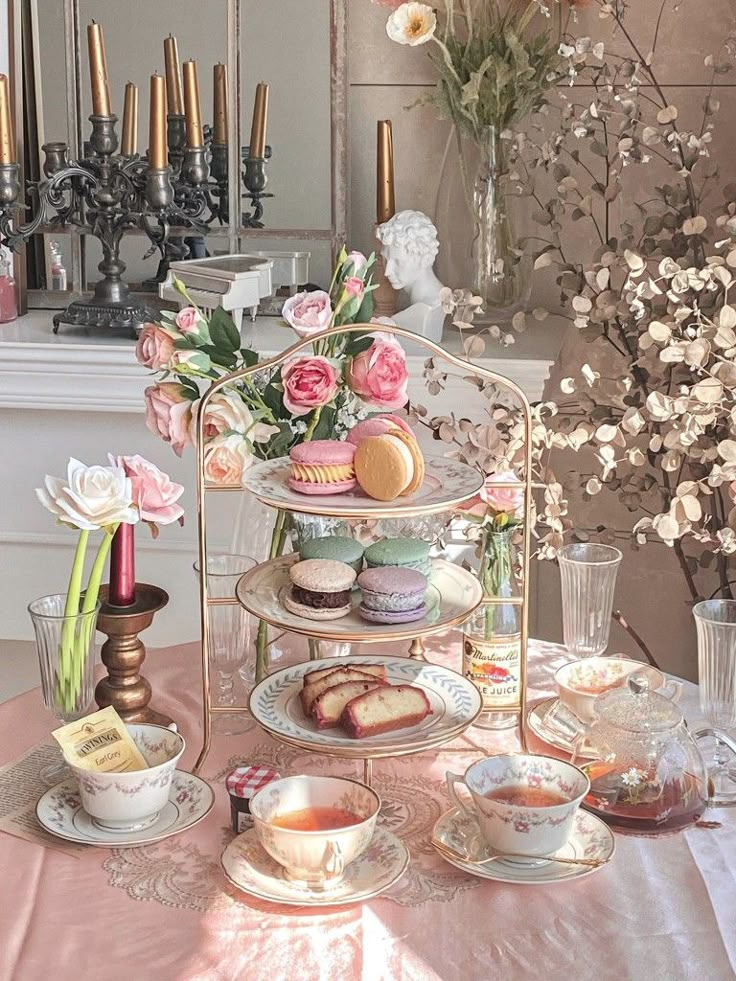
(226, 459)
(378, 375)
(358, 261)
(187, 320)
(503, 500)
(169, 414)
(155, 347)
(308, 312)
(309, 382)
(154, 493)
(354, 286)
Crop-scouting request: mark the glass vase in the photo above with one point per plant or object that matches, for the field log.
(492, 646)
(477, 213)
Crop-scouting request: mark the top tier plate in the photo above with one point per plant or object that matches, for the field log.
(447, 484)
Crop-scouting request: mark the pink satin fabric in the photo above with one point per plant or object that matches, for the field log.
(165, 912)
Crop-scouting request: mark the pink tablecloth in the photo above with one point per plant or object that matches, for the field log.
(165, 912)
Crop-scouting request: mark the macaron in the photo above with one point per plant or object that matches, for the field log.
(408, 553)
(338, 547)
(378, 426)
(322, 466)
(389, 466)
(320, 589)
(392, 595)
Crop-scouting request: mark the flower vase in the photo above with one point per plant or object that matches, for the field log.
(477, 213)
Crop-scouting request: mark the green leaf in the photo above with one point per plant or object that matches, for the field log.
(357, 342)
(325, 427)
(365, 312)
(250, 357)
(273, 397)
(225, 335)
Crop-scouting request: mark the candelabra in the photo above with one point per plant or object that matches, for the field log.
(104, 194)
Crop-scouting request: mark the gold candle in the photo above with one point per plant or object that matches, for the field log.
(219, 135)
(98, 70)
(173, 77)
(7, 135)
(157, 150)
(191, 105)
(129, 140)
(258, 126)
(385, 201)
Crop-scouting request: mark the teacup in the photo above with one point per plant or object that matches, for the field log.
(522, 828)
(315, 858)
(581, 682)
(132, 801)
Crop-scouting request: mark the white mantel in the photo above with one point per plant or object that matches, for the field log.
(81, 394)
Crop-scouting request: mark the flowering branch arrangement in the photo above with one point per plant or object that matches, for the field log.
(92, 499)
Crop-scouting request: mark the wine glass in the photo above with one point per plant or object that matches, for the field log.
(715, 622)
(588, 577)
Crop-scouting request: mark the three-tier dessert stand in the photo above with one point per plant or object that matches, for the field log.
(258, 591)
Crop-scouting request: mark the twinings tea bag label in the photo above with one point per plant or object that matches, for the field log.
(100, 742)
(494, 666)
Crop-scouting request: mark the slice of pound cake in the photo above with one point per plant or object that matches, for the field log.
(327, 707)
(309, 693)
(375, 670)
(384, 709)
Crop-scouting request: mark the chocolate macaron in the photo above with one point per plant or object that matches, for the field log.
(392, 595)
(320, 589)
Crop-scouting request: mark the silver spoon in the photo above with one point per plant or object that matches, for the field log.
(442, 848)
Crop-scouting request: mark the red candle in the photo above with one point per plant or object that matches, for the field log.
(122, 567)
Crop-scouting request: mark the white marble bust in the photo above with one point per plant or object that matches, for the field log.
(409, 248)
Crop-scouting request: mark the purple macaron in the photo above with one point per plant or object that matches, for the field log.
(392, 594)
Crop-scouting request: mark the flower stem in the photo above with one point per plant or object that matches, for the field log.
(313, 424)
(278, 537)
(64, 683)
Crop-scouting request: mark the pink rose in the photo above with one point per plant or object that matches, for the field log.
(226, 458)
(308, 383)
(503, 500)
(187, 320)
(154, 348)
(169, 414)
(379, 375)
(154, 493)
(354, 286)
(358, 262)
(308, 313)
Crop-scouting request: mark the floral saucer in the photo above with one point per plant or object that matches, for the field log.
(60, 812)
(536, 721)
(251, 869)
(590, 838)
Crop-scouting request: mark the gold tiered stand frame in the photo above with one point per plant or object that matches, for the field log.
(394, 509)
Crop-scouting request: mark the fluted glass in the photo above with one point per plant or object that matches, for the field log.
(715, 622)
(588, 577)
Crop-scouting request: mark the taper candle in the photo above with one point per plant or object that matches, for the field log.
(122, 566)
(191, 105)
(157, 150)
(7, 135)
(173, 77)
(98, 70)
(129, 140)
(257, 148)
(385, 200)
(219, 135)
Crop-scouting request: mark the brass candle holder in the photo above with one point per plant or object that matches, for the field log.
(123, 654)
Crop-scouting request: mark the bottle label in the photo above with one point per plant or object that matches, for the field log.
(494, 666)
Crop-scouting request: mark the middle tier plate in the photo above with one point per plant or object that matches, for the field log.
(452, 596)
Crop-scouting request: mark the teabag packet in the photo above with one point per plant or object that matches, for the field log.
(100, 742)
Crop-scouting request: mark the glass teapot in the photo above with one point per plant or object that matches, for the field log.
(648, 776)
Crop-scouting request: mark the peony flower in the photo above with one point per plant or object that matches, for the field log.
(226, 458)
(357, 261)
(169, 414)
(379, 375)
(412, 23)
(188, 320)
(154, 493)
(154, 348)
(503, 500)
(90, 498)
(308, 312)
(226, 413)
(309, 382)
(354, 286)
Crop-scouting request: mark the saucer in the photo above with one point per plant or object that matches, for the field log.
(60, 812)
(535, 720)
(590, 838)
(253, 871)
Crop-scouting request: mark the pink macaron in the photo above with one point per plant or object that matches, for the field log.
(377, 426)
(322, 466)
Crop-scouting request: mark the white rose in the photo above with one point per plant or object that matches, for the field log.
(90, 497)
(225, 413)
(226, 458)
(412, 23)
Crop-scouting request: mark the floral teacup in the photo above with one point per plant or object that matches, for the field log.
(522, 828)
(581, 682)
(315, 858)
(133, 800)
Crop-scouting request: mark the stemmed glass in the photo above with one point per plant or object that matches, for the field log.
(588, 576)
(715, 622)
(231, 635)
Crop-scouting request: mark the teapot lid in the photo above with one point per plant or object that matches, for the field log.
(636, 708)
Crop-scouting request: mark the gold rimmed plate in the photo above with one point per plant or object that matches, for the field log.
(446, 485)
(452, 596)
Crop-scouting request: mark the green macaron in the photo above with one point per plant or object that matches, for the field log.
(338, 547)
(407, 553)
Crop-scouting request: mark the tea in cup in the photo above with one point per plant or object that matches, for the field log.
(581, 682)
(315, 826)
(523, 804)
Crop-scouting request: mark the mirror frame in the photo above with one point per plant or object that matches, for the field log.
(238, 238)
